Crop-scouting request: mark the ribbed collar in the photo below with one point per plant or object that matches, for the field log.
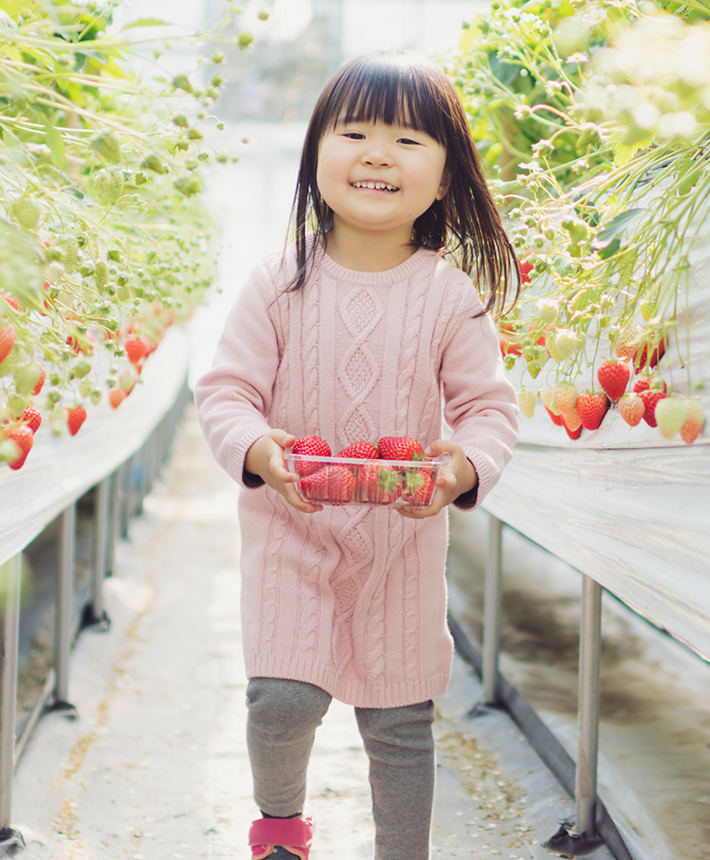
(419, 259)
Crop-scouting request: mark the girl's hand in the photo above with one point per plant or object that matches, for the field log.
(452, 481)
(266, 459)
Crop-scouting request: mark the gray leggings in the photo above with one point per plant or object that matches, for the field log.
(282, 721)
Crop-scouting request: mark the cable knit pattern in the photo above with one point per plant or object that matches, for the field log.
(353, 599)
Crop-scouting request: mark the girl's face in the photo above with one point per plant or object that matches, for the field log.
(380, 178)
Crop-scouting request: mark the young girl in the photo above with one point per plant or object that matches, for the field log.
(362, 329)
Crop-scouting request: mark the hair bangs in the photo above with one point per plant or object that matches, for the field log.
(392, 93)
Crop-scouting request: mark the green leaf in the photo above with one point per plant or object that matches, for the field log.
(608, 250)
(615, 226)
(146, 22)
(623, 153)
(56, 145)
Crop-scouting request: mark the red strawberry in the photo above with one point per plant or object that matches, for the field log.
(651, 351)
(76, 415)
(556, 419)
(334, 484)
(418, 488)
(645, 382)
(592, 408)
(379, 484)
(116, 396)
(310, 446)
(650, 399)
(136, 348)
(525, 267)
(573, 434)
(361, 450)
(694, 420)
(613, 377)
(24, 438)
(631, 408)
(32, 418)
(398, 448)
(7, 341)
(11, 300)
(40, 382)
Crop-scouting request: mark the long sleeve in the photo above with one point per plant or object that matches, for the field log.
(480, 403)
(234, 396)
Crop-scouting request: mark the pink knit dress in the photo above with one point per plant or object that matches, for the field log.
(353, 599)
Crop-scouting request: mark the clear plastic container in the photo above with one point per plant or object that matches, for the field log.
(350, 481)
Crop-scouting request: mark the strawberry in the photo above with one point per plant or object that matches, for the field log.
(76, 415)
(7, 341)
(613, 377)
(627, 342)
(647, 381)
(310, 446)
(573, 434)
(670, 415)
(334, 484)
(525, 267)
(116, 396)
(398, 448)
(631, 408)
(23, 437)
(651, 351)
(136, 348)
(361, 450)
(32, 418)
(11, 300)
(592, 408)
(650, 399)
(40, 381)
(694, 420)
(565, 343)
(565, 396)
(556, 419)
(418, 488)
(378, 484)
(548, 310)
(526, 402)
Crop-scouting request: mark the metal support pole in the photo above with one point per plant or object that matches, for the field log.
(11, 573)
(113, 524)
(94, 611)
(63, 605)
(125, 480)
(588, 707)
(491, 611)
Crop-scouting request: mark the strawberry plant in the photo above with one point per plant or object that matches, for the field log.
(104, 239)
(594, 120)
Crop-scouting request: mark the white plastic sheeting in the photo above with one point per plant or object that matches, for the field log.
(61, 469)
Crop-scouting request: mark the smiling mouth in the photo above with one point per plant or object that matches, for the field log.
(375, 186)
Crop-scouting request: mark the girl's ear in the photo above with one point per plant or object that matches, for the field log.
(444, 185)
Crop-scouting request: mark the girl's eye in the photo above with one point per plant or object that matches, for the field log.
(354, 135)
(408, 141)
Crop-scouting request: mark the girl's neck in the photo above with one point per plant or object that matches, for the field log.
(368, 253)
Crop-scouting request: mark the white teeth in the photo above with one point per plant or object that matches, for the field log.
(375, 186)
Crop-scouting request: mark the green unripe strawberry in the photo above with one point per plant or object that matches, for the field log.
(26, 376)
(109, 185)
(79, 368)
(181, 121)
(114, 255)
(105, 144)
(191, 163)
(95, 396)
(181, 82)
(101, 275)
(188, 185)
(70, 251)
(10, 362)
(17, 404)
(194, 134)
(58, 421)
(152, 162)
(26, 212)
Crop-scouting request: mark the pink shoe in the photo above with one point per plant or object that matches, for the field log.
(267, 835)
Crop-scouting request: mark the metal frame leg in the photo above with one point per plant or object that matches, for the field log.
(588, 707)
(12, 571)
(94, 613)
(63, 609)
(491, 611)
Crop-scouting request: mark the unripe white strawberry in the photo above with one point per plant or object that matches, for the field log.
(58, 421)
(26, 376)
(551, 346)
(526, 402)
(627, 342)
(670, 415)
(26, 212)
(109, 185)
(565, 395)
(565, 343)
(107, 146)
(547, 310)
(548, 398)
(694, 420)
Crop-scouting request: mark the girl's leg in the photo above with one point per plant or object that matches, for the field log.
(400, 745)
(281, 726)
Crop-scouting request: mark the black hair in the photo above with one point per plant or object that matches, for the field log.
(404, 88)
